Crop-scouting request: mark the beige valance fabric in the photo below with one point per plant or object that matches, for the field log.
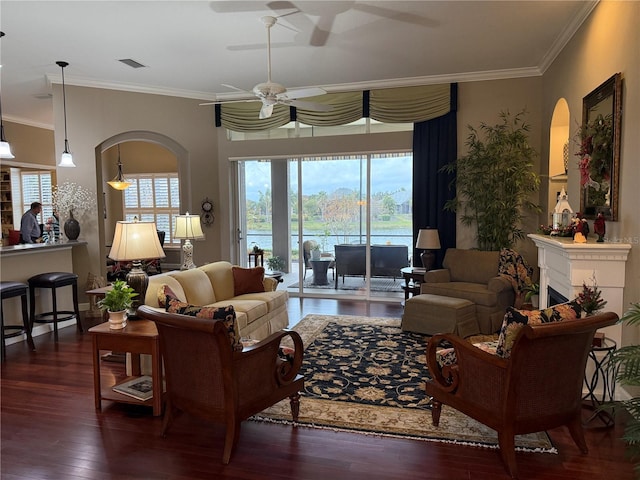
(390, 105)
(410, 104)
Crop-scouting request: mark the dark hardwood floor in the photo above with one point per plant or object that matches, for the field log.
(50, 430)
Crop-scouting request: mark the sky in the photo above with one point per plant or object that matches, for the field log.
(388, 175)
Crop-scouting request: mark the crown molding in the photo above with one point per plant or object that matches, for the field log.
(345, 87)
(27, 122)
(567, 34)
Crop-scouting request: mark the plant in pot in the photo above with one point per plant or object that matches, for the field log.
(276, 264)
(532, 294)
(495, 180)
(117, 301)
(626, 361)
(315, 252)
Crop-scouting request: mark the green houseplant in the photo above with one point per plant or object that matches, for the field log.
(494, 181)
(116, 302)
(276, 264)
(627, 361)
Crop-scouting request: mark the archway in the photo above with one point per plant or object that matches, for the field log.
(106, 165)
(558, 153)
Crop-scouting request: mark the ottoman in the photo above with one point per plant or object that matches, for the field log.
(430, 314)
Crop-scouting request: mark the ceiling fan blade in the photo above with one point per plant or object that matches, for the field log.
(316, 107)
(302, 92)
(236, 88)
(220, 102)
(266, 111)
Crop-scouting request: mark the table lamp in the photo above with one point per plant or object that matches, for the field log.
(188, 227)
(428, 240)
(136, 241)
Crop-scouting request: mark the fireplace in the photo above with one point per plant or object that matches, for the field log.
(554, 297)
(565, 266)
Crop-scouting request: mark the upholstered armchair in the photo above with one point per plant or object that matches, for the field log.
(208, 377)
(538, 387)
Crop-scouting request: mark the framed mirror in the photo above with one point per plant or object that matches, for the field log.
(599, 150)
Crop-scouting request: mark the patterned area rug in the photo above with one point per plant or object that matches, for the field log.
(366, 375)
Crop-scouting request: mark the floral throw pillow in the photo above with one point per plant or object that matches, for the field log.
(163, 291)
(515, 319)
(224, 314)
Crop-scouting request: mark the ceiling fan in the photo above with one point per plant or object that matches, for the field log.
(272, 93)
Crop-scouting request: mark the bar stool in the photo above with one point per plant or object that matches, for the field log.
(54, 280)
(10, 290)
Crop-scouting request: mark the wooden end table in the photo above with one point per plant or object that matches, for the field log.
(413, 276)
(139, 336)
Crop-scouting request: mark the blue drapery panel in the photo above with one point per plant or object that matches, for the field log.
(435, 145)
(389, 105)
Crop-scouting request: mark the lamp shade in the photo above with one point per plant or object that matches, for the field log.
(188, 226)
(135, 241)
(5, 150)
(428, 239)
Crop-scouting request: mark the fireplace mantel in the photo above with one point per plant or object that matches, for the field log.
(565, 266)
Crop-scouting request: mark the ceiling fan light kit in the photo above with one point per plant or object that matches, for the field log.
(271, 93)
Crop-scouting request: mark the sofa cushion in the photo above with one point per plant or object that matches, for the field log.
(221, 278)
(247, 280)
(253, 309)
(225, 314)
(155, 282)
(515, 319)
(272, 299)
(460, 261)
(474, 292)
(196, 285)
(447, 356)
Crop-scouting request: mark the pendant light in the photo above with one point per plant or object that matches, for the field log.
(66, 159)
(119, 182)
(5, 148)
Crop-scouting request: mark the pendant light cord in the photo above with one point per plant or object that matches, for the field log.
(64, 105)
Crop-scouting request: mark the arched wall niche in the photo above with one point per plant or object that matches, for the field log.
(106, 168)
(558, 153)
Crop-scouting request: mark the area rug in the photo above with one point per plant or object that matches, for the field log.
(366, 375)
(355, 283)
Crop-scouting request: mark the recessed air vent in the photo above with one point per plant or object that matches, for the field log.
(132, 63)
(43, 96)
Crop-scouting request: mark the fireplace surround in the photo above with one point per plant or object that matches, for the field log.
(565, 266)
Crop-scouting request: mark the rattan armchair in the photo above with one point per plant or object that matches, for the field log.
(537, 388)
(206, 378)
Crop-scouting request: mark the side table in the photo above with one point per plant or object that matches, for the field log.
(413, 276)
(320, 268)
(604, 375)
(139, 336)
(255, 256)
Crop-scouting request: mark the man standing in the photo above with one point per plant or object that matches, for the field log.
(29, 226)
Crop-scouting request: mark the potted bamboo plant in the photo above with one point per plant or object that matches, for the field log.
(117, 301)
(495, 180)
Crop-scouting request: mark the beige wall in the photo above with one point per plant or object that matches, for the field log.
(606, 43)
(482, 102)
(29, 144)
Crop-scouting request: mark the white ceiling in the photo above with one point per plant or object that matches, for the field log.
(191, 48)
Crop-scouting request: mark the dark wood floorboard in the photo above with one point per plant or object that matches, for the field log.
(50, 430)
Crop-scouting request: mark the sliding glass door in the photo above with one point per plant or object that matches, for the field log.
(341, 224)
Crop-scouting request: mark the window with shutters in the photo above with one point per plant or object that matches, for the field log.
(154, 197)
(36, 187)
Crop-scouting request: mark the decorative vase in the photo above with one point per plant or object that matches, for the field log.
(117, 320)
(315, 254)
(72, 227)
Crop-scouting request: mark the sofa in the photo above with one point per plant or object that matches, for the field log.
(473, 275)
(386, 260)
(258, 314)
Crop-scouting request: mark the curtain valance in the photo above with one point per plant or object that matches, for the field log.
(389, 105)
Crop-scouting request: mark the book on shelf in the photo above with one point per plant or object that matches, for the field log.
(140, 388)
